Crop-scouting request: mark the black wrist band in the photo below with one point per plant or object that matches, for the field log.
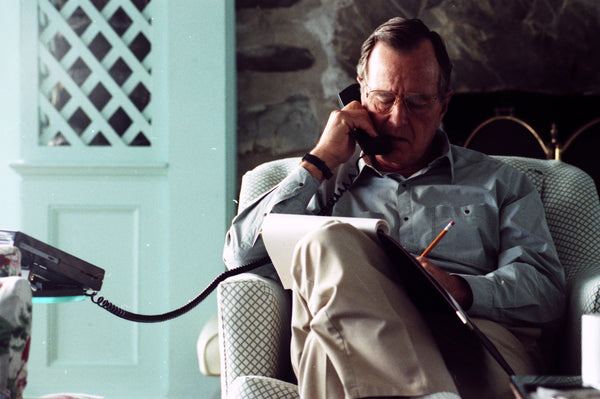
(319, 164)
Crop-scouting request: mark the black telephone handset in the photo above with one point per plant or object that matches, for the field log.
(370, 145)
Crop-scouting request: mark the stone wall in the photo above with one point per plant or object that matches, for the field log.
(293, 56)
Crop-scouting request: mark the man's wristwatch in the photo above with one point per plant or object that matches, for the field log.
(318, 162)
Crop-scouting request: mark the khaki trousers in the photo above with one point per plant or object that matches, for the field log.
(356, 334)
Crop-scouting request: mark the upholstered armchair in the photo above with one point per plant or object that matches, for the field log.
(254, 311)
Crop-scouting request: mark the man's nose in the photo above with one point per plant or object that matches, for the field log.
(399, 113)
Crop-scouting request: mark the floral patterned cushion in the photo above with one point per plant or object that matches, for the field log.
(15, 324)
(10, 261)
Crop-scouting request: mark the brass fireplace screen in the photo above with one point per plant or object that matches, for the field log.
(509, 135)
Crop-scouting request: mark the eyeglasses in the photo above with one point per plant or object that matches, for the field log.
(416, 103)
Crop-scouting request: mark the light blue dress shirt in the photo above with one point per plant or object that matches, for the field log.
(500, 243)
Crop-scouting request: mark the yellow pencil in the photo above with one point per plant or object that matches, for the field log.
(437, 239)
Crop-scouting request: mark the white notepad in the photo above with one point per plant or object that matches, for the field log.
(281, 233)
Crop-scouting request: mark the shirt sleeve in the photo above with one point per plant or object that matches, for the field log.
(243, 243)
(528, 285)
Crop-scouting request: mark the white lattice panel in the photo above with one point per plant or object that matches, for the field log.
(95, 73)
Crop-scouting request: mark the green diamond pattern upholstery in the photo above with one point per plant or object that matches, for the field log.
(263, 178)
(254, 320)
(254, 311)
(262, 387)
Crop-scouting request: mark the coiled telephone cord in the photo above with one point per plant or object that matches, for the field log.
(140, 318)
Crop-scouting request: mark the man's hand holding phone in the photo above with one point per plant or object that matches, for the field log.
(336, 145)
(345, 128)
(371, 145)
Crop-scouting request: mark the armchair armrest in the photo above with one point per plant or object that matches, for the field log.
(254, 333)
(584, 297)
(253, 387)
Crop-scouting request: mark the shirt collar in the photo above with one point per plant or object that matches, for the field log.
(443, 163)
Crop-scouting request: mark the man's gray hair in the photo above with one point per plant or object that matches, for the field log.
(405, 34)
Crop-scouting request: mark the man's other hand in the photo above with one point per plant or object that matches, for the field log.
(455, 285)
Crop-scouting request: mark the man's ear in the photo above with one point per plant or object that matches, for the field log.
(362, 90)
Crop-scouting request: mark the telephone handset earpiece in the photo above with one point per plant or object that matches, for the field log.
(370, 145)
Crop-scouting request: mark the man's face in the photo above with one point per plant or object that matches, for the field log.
(415, 71)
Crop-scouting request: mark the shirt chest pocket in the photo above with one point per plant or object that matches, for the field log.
(474, 236)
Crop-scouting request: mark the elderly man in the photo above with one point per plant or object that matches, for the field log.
(355, 333)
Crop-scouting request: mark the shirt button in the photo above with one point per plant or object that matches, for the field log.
(301, 184)
(406, 218)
